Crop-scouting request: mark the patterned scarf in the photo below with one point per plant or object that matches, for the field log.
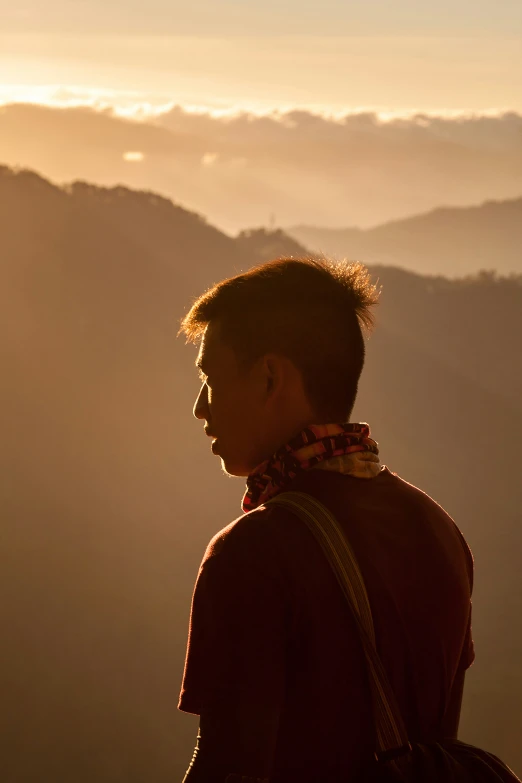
(344, 448)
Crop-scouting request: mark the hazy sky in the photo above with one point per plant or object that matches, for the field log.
(333, 112)
(333, 55)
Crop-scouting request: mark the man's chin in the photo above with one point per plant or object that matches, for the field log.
(229, 466)
(232, 469)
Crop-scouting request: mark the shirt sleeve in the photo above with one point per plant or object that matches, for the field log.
(238, 625)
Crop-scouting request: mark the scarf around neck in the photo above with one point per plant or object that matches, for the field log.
(344, 448)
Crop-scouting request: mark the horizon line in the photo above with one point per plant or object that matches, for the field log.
(137, 106)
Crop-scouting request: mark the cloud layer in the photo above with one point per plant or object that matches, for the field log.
(359, 169)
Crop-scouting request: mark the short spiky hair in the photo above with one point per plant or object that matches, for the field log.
(310, 310)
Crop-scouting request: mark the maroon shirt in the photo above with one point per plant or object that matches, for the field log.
(270, 628)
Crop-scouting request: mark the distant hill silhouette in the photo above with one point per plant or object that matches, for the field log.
(260, 244)
(451, 241)
(109, 494)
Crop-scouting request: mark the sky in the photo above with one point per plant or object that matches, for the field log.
(337, 55)
(334, 113)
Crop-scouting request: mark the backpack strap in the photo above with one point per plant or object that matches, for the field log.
(391, 736)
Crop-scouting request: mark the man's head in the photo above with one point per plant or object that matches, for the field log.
(281, 348)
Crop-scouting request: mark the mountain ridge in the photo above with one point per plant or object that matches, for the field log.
(453, 241)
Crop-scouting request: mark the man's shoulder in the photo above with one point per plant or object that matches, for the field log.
(387, 496)
(417, 496)
(254, 531)
(414, 494)
(421, 505)
(387, 486)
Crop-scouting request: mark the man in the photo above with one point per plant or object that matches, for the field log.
(274, 665)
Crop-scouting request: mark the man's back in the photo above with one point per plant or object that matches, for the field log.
(271, 629)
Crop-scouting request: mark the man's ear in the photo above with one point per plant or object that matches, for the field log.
(268, 373)
(273, 372)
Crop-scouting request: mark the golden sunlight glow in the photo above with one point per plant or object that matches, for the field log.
(209, 158)
(141, 73)
(133, 157)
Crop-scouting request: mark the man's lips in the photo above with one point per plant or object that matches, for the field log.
(214, 440)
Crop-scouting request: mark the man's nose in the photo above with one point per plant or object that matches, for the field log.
(200, 409)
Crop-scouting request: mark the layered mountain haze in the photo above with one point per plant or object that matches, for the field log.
(448, 241)
(353, 169)
(110, 494)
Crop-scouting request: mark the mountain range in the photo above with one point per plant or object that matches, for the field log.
(297, 166)
(109, 493)
(451, 241)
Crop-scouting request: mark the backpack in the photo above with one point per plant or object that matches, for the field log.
(395, 757)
